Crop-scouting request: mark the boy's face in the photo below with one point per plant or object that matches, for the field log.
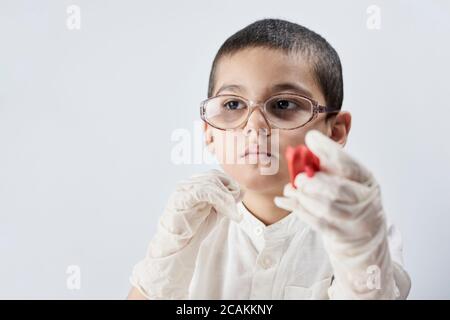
(256, 74)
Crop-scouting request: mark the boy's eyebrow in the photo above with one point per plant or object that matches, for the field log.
(232, 87)
(292, 86)
(278, 87)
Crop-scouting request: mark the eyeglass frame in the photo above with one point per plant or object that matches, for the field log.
(252, 105)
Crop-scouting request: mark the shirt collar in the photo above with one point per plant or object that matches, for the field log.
(260, 234)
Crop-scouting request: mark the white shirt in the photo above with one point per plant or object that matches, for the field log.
(248, 260)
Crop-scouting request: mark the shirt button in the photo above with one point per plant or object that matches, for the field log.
(258, 230)
(266, 263)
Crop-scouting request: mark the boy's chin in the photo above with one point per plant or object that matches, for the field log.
(256, 177)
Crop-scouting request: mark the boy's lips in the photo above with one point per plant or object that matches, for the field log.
(255, 149)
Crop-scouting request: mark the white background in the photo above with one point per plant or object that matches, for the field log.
(86, 118)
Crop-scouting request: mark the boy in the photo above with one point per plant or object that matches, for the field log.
(246, 233)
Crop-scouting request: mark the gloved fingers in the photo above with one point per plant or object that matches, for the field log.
(286, 203)
(343, 232)
(336, 214)
(332, 187)
(324, 206)
(348, 224)
(341, 217)
(335, 160)
(352, 221)
(189, 193)
(206, 188)
(199, 179)
(289, 191)
(223, 202)
(315, 212)
(206, 179)
(223, 180)
(184, 223)
(317, 223)
(292, 204)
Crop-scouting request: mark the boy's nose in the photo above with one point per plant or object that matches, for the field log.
(257, 123)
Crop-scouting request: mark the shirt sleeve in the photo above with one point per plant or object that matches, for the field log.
(169, 277)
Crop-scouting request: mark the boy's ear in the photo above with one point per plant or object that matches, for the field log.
(209, 138)
(340, 127)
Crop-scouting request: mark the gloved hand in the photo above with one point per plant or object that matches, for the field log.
(189, 206)
(167, 269)
(343, 203)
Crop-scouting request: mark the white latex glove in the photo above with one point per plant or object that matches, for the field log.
(343, 203)
(167, 269)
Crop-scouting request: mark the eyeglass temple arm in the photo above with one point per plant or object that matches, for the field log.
(326, 109)
(202, 110)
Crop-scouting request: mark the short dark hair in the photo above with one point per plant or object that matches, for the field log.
(290, 37)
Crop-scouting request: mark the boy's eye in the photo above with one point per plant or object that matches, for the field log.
(285, 104)
(234, 105)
